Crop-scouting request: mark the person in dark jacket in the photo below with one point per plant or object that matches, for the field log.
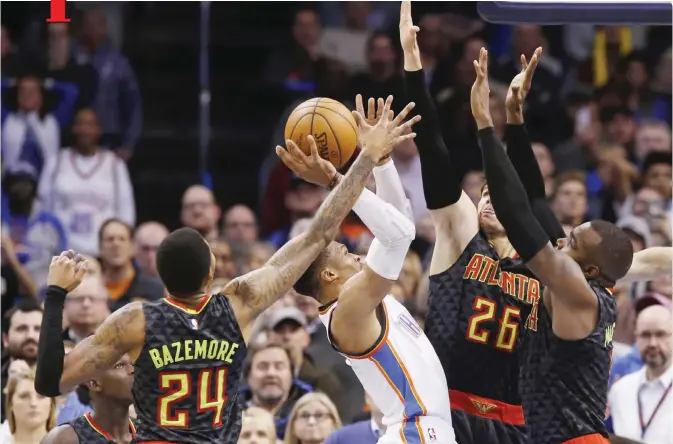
(270, 385)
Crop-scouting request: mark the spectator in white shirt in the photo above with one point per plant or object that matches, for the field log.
(85, 185)
(30, 137)
(641, 404)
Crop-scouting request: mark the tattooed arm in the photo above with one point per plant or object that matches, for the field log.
(122, 332)
(257, 290)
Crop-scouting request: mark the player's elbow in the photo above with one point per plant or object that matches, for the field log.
(45, 387)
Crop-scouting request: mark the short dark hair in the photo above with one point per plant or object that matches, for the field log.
(114, 220)
(183, 262)
(309, 282)
(657, 158)
(569, 176)
(615, 251)
(26, 305)
(256, 349)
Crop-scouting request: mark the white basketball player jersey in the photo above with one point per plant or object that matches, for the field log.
(404, 378)
(85, 193)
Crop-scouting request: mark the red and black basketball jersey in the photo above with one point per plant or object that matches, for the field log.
(477, 312)
(88, 432)
(564, 384)
(187, 375)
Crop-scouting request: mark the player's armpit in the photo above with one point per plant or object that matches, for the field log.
(63, 434)
(122, 332)
(254, 292)
(650, 264)
(354, 326)
(455, 227)
(573, 300)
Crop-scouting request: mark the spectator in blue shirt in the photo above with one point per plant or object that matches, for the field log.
(362, 432)
(117, 101)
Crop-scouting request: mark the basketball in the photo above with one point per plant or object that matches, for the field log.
(331, 124)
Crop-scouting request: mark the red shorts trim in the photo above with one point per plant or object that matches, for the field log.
(594, 438)
(157, 442)
(487, 408)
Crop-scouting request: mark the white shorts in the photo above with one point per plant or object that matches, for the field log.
(434, 430)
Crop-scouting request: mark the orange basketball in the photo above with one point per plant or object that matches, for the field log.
(331, 124)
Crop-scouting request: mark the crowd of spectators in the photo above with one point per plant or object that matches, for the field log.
(599, 113)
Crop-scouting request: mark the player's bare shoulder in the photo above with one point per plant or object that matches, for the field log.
(63, 434)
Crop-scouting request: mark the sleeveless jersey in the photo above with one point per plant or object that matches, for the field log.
(477, 311)
(187, 376)
(564, 384)
(89, 432)
(84, 192)
(402, 374)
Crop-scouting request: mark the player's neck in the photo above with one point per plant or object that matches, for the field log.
(117, 274)
(655, 372)
(23, 434)
(502, 246)
(115, 421)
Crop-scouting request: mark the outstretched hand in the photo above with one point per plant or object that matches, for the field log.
(479, 96)
(408, 30)
(374, 112)
(521, 83)
(379, 139)
(311, 168)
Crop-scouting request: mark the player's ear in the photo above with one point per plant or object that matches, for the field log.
(328, 276)
(93, 385)
(592, 272)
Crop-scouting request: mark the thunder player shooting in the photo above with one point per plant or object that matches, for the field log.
(109, 423)
(387, 350)
(567, 361)
(479, 303)
(188, 349)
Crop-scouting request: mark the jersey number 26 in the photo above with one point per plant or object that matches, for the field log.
(508, 325)
(178, 386)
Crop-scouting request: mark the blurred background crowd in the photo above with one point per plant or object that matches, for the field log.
(138, 118)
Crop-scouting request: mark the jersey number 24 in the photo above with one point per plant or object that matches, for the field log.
(508, 324)
(178, 386)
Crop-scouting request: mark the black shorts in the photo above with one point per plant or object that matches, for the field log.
(472, 429)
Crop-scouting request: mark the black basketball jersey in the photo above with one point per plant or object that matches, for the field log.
(477, 311)
(89, 432)
(564, 384)
(187, 376)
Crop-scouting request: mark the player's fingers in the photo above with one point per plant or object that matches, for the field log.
(81, 270)
(359, 120)
(314, 149)
(406, 128)
(379, 108)
(387, 107)
(477, 70)
(371, 109)
(79, 258)
(404, 113)
(358, 104)
(297, 154)
(404, 138)
(286, 157)
(483, 63)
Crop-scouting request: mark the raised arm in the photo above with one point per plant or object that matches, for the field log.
(257, 290)
(354, 325)
(520, 151)
(122, 332)
(388, 184)
(557, 271)
(452, 211)
(650, 264)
